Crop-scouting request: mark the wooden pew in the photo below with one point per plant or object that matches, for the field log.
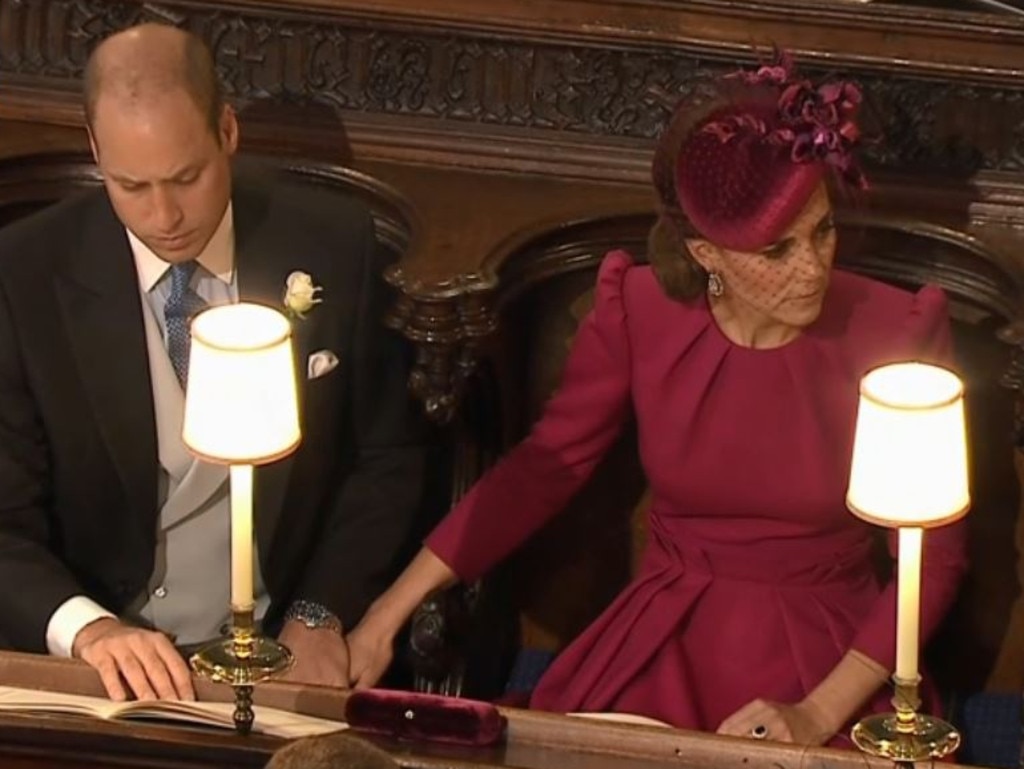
(533, 740)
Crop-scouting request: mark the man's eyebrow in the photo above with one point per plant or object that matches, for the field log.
(123, 178)
(186, 171)
(127, 179)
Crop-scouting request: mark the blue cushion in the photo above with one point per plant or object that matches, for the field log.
(529, 666)
(990, 724)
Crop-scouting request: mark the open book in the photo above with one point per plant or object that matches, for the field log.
(278, 723)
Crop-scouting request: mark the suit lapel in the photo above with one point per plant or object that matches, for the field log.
(192, 482)
(261, 278)
(98, 293)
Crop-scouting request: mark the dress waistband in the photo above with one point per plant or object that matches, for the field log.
(808, 561)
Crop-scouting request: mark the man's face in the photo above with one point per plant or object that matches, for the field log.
(167, 175)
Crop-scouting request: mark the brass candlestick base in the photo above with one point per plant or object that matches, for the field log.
(905, 736)
(242, 660)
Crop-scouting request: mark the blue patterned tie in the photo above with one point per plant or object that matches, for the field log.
(181, 305)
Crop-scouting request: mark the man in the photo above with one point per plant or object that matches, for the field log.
(113, 539)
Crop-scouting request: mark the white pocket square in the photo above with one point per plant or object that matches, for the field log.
(321, 362)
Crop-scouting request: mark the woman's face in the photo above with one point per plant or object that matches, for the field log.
(771, 294)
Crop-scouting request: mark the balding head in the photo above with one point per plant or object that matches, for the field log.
(133, 68)
(162, 138)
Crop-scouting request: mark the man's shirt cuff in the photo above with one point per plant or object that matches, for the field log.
(65, 623)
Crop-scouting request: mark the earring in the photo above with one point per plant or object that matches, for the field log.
(715, 285)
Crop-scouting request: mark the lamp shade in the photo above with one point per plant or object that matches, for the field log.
(240, 404)
(909, 464)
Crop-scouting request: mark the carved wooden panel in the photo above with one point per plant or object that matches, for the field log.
(939, 123)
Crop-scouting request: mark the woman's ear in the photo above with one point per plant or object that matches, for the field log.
(704, 252)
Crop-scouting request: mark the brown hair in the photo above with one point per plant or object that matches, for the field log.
(190, 68)
(331, 751)
(680, 275)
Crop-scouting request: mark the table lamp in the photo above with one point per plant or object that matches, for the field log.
(241, 410)
(909, 472)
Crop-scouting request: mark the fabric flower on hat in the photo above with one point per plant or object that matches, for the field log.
(816, 123)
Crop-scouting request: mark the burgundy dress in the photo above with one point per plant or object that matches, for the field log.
(756, 579)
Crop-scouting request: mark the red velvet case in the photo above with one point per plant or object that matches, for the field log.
(409, 715)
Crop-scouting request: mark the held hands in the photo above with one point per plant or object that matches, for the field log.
(145, 660)
(321, 655)
(802, 724)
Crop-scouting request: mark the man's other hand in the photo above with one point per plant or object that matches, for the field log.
(145, 660)
(321, 655)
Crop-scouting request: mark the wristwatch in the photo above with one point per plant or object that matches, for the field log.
(313, 615)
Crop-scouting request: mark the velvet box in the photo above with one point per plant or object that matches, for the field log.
(429, 717)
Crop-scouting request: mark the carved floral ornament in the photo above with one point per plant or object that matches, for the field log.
(582, 87)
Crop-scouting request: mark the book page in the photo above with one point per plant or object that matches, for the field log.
(277, 723)
(622, 718)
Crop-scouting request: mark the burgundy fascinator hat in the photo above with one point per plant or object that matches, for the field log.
(742, 169)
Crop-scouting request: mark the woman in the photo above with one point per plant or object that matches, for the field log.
(756, 610)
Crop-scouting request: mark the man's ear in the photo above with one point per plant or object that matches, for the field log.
(228, 129)
(92, 146)
(704, 252)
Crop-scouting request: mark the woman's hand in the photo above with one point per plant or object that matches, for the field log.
(822, 713)
(371, 643)
(802, 724)
(370, 649)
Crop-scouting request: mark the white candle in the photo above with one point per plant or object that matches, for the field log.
(241, 537)
(908, 616)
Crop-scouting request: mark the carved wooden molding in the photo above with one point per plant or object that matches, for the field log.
(932, 119)
(447, 333)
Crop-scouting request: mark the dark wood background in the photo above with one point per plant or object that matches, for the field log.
(543, 113)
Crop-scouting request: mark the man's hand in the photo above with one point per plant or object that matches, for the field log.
(144, 659)
(321, 655)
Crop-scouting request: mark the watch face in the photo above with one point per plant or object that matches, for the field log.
(313, 616)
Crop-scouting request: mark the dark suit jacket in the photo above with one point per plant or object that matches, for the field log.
(78, 454)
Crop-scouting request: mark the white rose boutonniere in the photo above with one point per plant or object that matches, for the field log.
(300, 293)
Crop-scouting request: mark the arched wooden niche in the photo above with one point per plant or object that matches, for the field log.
(31, 182)
(543, 286)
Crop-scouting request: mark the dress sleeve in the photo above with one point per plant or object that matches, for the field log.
(533, 482)
(927, 338)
